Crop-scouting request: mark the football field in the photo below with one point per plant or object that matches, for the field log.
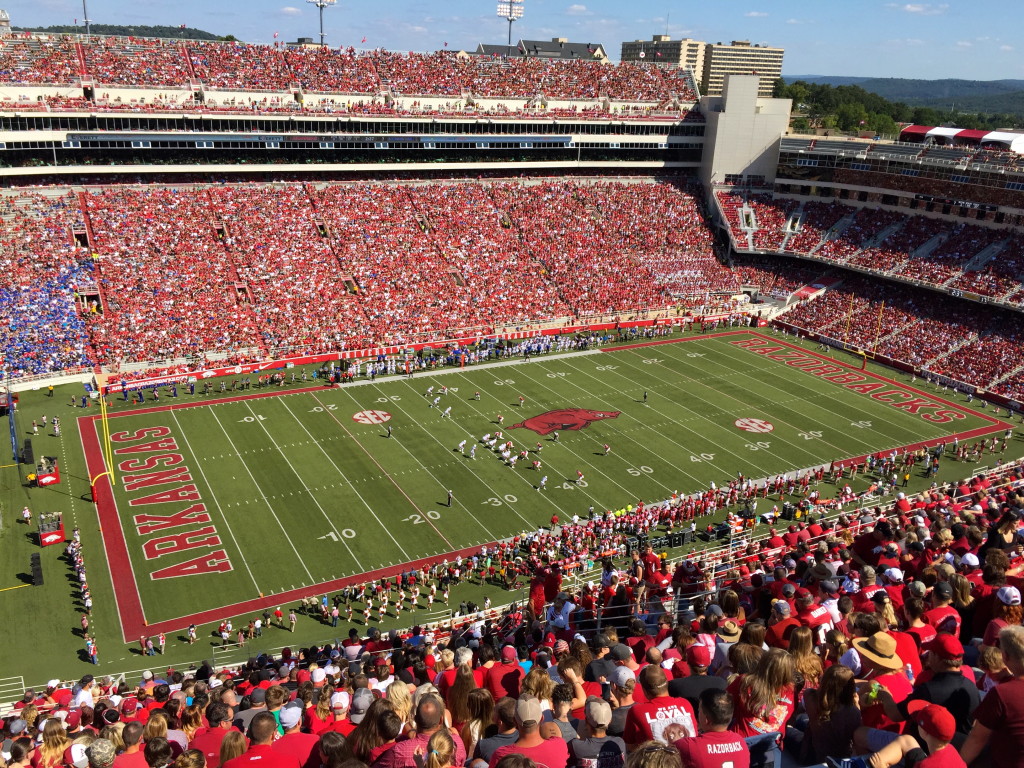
(225, 507)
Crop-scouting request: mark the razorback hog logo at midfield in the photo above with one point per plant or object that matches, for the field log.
(565, 419)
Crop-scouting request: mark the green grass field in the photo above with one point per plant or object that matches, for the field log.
(280, 492)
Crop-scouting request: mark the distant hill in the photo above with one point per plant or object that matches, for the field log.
(120, 30)
(984, 96)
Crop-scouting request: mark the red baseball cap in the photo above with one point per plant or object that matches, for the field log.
(945, 647)
(933, 719)
(698, 656)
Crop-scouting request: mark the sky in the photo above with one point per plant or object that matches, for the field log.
(959, 39)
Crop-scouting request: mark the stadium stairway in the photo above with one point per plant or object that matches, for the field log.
(984, 257)
(834, 233)
(952, 350)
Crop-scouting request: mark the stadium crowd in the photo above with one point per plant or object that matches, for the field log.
(141, 62)
(183, 272)
(888, 637)
(952, 246)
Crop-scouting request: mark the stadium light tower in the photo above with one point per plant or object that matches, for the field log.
(86, 19)
(511, 10)
(321, 4)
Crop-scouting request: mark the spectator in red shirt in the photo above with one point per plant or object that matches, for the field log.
(132, 757)
(294, 743)
(206, 740)
(506, 677)
(943, 616)
(648, 720)
(780, 624)
(868, 547)
(549, 749)
(260, 754)
(999, 720)
(716, 745)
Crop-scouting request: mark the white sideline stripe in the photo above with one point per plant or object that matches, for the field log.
(350, 485)
(220, 509)
(265, 499)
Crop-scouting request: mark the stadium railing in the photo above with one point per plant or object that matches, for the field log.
(11, 688)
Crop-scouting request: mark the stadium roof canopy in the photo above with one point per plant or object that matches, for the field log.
(963, 137)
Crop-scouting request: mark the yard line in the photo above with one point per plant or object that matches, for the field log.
(569, 479)
(622, 459)
(350, 485)
(682, 425)
(386, 474)
(209, 486)
(529, 523)
(851, 405)
(309, 490)
(775, 436)
(264, 496)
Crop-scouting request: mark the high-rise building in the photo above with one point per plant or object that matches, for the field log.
(740, 58)
(711, 62)
(662, 49)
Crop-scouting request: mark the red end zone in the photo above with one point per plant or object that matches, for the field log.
(130, 610)
(995, 424)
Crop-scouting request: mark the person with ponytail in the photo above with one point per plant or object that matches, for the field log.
(439, 752)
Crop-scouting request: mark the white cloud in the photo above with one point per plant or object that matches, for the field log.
(921, 9)
(578, 9)
(795, 21)
(1005, 47)
(290, 10)
(963, 43)
(755, 14)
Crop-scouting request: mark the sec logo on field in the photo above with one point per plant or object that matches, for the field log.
(371, 417)
(754, 425)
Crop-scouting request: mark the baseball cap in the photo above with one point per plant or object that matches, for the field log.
(601, 641)
(622, 675)
(77, 756)
(945, 647)
(715, 609)
(508, 653)
(598, 712)
(528, 710)
(53, 683)
(782, 608)
(318, 675)
(698, 656)
(73, 720)
(290, 716)
(933, 719)
(17, 726)
(147, 675)
(829, 586)
(943, 590)
(341, 700)
(1008, 595)
(561, 647)
(970, 560)
(101, 753)
(620, 652)
(258, 696)
(788, 589)
(361, 701)
(894, 574)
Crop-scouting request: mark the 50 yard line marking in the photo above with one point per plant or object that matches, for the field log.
(264, 496)
(213, 495)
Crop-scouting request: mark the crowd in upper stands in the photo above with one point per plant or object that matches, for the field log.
(917, 247)
(135, 62)
(890, 637)
(182, 272)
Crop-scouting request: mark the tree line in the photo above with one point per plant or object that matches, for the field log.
(850, 108)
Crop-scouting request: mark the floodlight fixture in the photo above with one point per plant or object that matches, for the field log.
(511, 10)
(321, 4)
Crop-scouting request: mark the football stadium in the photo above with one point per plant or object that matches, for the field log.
(549, 399)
